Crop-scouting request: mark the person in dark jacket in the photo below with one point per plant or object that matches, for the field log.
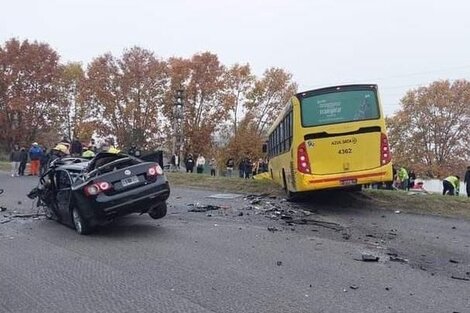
(248, 168)
(134, 151)
(23, 161)
(189, 164)
(44, 161)
(241, 169)
(77, 148)
(467, 181)
(15, 159)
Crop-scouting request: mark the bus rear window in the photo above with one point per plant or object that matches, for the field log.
(339, 107)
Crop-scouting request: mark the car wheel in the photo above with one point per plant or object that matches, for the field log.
(81, 225)
(158, 211)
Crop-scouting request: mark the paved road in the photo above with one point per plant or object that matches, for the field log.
(223, 261)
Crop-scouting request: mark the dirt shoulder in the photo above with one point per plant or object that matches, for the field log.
(402, 201)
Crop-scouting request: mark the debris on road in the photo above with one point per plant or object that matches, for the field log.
(5, 221)
(28, 215)
(2, 208)
(453, 261)
(354, 287)
(279, 263)
(199, 208)
(395, 258)
(304, 221)
(225, 196)
(397, 212)
(272, 229)
(460, 278)
(369, 257)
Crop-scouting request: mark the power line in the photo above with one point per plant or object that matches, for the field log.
(395, 76)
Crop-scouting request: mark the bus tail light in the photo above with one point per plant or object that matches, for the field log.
(385, 156)
(303, 164)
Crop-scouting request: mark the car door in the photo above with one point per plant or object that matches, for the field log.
(63, 183)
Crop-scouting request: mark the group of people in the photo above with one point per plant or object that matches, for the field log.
(40, 157)
(200, 164)
(246, 167)
(405, 180)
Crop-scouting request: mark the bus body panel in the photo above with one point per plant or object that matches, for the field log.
(340, 155)
(343, 154)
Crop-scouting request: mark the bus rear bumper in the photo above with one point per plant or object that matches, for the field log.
(308, 182)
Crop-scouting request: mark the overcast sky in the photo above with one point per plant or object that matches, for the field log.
(399, 44)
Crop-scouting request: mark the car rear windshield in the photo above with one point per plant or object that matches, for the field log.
(339, 107)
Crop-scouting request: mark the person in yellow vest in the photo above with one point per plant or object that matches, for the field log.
(451, 185)
(404, 178)
(88, 153)
(106, 147)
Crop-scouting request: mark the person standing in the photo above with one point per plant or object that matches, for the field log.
(213, 166)
(15, 159)
(23, 161)
(44, 162)
(404, 178)
(229, 165)
(35, 154)
(241, 168)
(248, 168)
(200, 162)
(451, 185)
(467, 181)
(189, 164)
(77, 148)
(412, 179)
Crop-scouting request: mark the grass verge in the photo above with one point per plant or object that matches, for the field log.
(224, 184)
(5, 166)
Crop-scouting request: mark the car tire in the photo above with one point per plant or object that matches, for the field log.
(81, 225)
(158, 211)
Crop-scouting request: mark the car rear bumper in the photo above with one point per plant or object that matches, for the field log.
(105, 208)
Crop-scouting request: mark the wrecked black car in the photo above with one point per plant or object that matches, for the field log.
(85, 194)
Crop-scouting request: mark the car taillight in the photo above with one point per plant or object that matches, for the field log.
(154, 170)
(303, 164)
(96, 188)
(385, 155)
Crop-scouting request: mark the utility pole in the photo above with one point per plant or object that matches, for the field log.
(178, 126)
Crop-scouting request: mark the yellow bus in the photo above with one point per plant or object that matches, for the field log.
(331, 137)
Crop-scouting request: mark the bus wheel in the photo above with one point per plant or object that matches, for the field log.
(356, 188)
(290, 196)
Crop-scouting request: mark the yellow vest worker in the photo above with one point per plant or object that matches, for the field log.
(451, 185)
(88, 154)
(112, 149)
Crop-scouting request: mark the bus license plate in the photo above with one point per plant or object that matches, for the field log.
(129, 181)
(349, 181)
